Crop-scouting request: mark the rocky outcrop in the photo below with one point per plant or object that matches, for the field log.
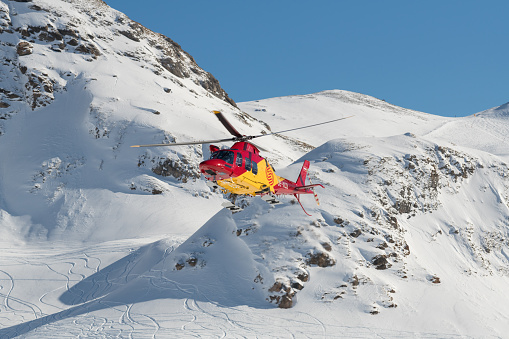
(24, 48)
(70, 35)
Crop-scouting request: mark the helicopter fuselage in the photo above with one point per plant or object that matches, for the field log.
(240, 170)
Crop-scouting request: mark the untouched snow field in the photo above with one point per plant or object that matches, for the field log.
(97, 239)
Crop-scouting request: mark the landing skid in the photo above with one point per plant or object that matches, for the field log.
(231, 207)
(270, 199)
(212, 184)
(297, 196)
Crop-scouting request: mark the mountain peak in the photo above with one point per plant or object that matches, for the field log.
(501, 111)
(48, 32)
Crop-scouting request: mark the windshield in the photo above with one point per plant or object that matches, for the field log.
(227, 156)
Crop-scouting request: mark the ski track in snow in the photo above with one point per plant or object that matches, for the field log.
(197, 316)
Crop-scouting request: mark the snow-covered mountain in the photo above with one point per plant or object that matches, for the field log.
(80, 83)
(411, 237)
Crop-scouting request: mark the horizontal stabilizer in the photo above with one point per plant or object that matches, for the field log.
(308, 186)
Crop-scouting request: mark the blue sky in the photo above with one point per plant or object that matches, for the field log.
(448, 57)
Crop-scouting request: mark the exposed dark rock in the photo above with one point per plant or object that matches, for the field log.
(4, 104)
(58, 47)
(36, 8)
(320, 259)
(10, 95)
(339, 221)
(258, 279)
(73, 42)
(326, 246)
(286, 301)
(24, 48)
(297, 285)
(130, 35)
(283, 300)
(69, 32)
(212, 85)
(40, 89)
(176, 169)
(403, 206)
(393, 221)
(278, 285)
(89, 49)
(434, 179)
(356, 233)
(50, 36)
(174, 67)
(303, 276)
(434, 279)
(406, 249)
(380, 262)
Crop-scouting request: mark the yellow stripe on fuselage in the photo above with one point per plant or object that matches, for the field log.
(249, 183)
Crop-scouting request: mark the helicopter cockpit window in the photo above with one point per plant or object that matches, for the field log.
(239, 159)
(227, 156)
(255, 167)
(248, 164)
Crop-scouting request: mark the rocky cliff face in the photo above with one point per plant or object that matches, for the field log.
(79, 83)
(91, 30)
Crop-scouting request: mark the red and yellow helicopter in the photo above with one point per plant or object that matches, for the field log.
(241, 170)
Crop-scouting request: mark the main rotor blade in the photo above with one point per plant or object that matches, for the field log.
(259, 147)
(227, 124)
(187, 143)
(238, 136)
(294, 129)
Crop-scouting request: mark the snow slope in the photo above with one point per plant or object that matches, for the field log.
(94, 84)
(295, 111)
(98, 239)
(487, 131)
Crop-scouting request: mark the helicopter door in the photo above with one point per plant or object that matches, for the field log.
(239, 159)
(254, 167)
(248, 163)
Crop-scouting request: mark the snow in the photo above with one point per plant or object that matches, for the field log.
(410, 238)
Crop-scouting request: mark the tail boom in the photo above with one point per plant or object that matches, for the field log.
(286, 186)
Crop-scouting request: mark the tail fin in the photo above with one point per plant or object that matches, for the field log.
(301, 180)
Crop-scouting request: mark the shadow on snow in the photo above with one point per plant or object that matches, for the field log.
(149, 273)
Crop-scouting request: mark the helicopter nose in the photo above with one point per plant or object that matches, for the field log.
(215, 169)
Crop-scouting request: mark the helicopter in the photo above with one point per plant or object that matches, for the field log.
(241, 170)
